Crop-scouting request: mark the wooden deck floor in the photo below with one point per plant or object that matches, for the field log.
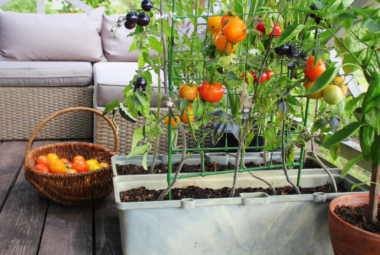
(30, 224)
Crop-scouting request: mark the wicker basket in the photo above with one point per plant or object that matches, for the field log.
(71, 189)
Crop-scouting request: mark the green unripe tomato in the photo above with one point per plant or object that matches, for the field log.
(227, 60)
(333, 94)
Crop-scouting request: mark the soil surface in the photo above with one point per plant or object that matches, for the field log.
(212, 167)
(357, 216)
(143, 194)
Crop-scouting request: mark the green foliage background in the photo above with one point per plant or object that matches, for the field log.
(112, 6)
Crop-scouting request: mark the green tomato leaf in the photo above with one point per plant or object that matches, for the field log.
(143, 162)
(126, 114)
(366, 15)
(141, 61)
(352, 104)
(349, 165)
(137, 136)
(218, 132)
(270, 135)
(133, 47)
(198, 108)
(292, 100)
(372, 26)
(289, 33)
(324, 79)
(155, 44)
(334, 149)
(318, 124)
(139, 150)
(349, 63)
(111, 106)
(343, 134)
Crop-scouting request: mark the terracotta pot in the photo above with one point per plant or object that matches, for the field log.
(347, 239)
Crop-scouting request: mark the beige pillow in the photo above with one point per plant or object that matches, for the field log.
(116, 48)
(60, 37)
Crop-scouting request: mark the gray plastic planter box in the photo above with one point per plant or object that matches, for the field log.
(218, 157)
(251, 224)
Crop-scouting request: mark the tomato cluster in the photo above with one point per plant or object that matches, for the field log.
(141, 19)
(333, 94)
(276, 31)
(227, 31)
(264, 76)
(55, 165)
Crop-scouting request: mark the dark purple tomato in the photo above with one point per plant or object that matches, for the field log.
(282, 50)
(303, 56)
(128, 25)
(292, 53)
(313, 7)
(132, 18)
(141, 83)
(318, 20)
(146, 5)
(143, 20)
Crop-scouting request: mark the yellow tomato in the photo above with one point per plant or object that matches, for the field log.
(92, 161)
(103, 164)
(93, 167)
(51, 157)
(190, 115)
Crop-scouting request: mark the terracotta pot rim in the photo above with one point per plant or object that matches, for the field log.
(364, 232)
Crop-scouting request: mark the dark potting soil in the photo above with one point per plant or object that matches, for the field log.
(358, 217)
(212, 167)
(143, 194)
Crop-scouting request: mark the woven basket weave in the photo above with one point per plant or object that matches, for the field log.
(39, 102)
(71, 189)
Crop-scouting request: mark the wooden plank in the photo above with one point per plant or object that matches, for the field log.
(73, 225)
(68, 230)
(11, 160)
(107, 227)
(22, 218)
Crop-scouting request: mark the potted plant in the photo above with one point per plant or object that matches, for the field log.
(353, 217)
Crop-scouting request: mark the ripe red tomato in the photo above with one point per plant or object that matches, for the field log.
(42, 168)
(263, 77)
(80, 166)
(260, 27)
(313, 73)
(76, 158)
(211, 92)
(277, 31)
(250, 74)
(269, 74)
(188, 91)
(42, 160)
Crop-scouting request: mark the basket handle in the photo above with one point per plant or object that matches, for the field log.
(72, 109)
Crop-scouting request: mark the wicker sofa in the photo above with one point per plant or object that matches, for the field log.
(49, 69)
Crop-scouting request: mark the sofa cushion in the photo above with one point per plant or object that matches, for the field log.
(48, 73)
(56, 37)
(110, 79)
(116, 45)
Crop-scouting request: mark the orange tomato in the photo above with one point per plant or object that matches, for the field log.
(215, 24)
(308, 84)
(211, 92)
(311, 72)
(42, 168)
(188, 91)
(191, 116)
(214, 37)
(93, 167)
(80, 166)
(104, 164)
(226, 18)
(222, 44)
(339, 81)
(76, 158)
(57, 167)
(51, 157)
(66, 161)
(174, 124)
(42, 160)
(235, 30)
(71, 171)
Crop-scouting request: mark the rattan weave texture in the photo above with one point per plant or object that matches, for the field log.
(24, 108)
(104, 136)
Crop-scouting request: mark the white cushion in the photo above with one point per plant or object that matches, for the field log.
(110, 79)
(116, 47)
(49, 73)
(56, 37)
